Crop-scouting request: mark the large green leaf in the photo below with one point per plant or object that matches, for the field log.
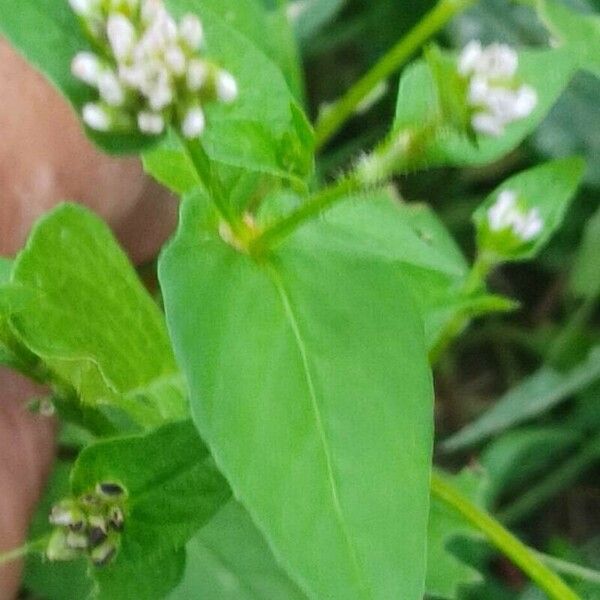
(548, 71)
(172, 487)
(309, 382)
(229, 560)
(92, 322)
(534, 396)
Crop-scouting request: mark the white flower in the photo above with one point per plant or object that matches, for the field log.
(111, 90)
(493, 93)
(227, 89)
(87, 67)
(84, 7)
(193, 123)
(197, 73)
(96, 117)
(147, 65)
(505, 214)
(121, 35)
(152, 123)
(190, 31)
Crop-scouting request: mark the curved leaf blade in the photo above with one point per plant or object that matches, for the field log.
(309, 382)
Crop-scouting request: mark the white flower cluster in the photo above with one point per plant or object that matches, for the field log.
(148, 70)
(494, 93)
(505, 214)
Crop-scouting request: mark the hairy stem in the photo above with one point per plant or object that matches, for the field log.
(337, 114)
(29, 548)
(320, 201)
(547, 580)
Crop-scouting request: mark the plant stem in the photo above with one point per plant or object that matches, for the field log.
(560, 478)
(24, 550)
(337, 114)
(203, 168)
(323, 199)
(503, 540)
(476, 278)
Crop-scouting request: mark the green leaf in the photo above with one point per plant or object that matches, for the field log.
(252, 20)
(548, 71)
(578, 32)
(170, 164)
(585, 281)
(550, 188)
(173, 488)
(309, 381)
(313, 15)
(534, 396)
(92, 322)
(230, 560)
(447, 574)
(535, 449)
(573, 126)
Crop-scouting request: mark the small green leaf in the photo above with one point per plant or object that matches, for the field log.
(172, 489)
(170, 164)
(534, 396)
(548, 71)
(229, 560)
(309, 381)
(91, 321)
(578, 32)
(447, 574)
(549, 188)
(585, 281)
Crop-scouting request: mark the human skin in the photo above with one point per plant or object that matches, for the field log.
(44, 159)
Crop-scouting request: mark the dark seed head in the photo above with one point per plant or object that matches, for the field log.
(96, 536)
(114, 490)
(77, 526)
(103, 554)
(116, 518)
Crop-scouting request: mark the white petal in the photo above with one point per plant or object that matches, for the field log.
(532, 225)
(197, 73)
(87, 67)
(469, 57)
(111, 91)
(96, 117)
(499, 213)
(83, 7)
(478, 90)
(121, 35)
(498, 61)
(175, 59)
(487, 124)
(151, 123)
(191, 32)
(526, 100)
(227, 89)
(193, 123)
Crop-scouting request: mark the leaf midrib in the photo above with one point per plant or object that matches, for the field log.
(293, 322)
